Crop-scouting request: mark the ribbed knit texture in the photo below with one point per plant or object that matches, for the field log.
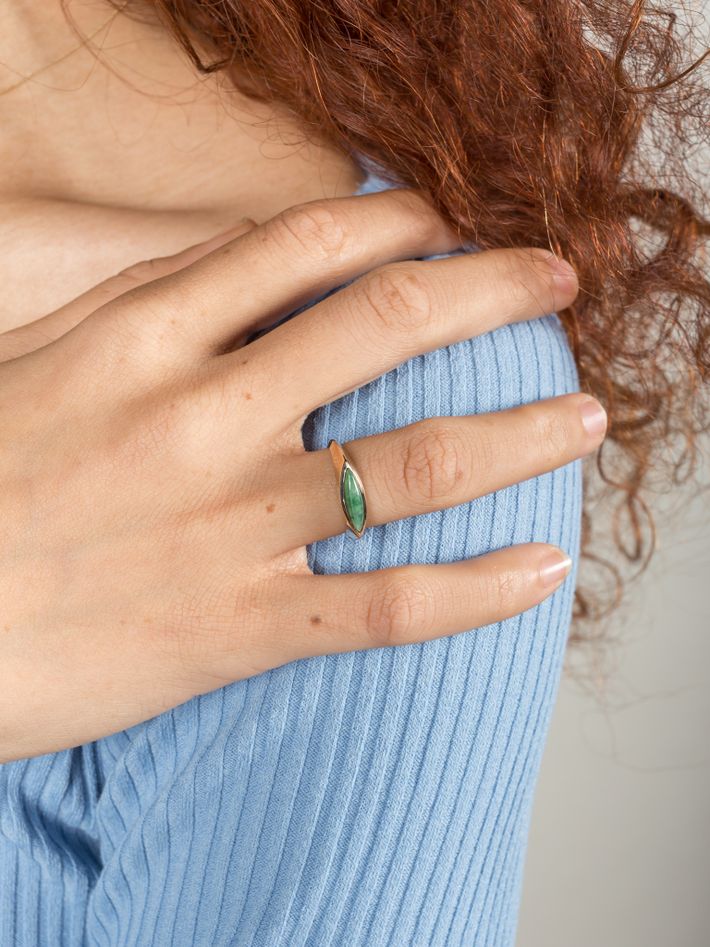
(374, 798)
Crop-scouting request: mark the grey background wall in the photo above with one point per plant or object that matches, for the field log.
(619, 852)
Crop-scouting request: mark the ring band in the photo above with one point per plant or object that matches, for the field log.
(352, 492)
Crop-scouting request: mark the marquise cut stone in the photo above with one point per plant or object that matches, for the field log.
(354, 500)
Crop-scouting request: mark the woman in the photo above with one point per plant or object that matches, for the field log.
(206, 743)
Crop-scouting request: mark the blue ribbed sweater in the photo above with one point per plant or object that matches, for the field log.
(374, 798)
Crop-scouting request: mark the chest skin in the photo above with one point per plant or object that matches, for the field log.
(53, 250)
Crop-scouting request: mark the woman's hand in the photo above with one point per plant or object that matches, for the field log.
(157, 498)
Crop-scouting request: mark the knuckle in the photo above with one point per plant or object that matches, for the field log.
(164, 310)
(549, 435)
(144, 321)
(176, 293)
(314, 228)
(125, 317)
(432, 463)
(506, 591)
(397, 298)
(399, 610)
(211, 626)
(526, 280)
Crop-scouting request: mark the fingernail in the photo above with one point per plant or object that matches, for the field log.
(554, 567)
(593, 417)
(562, 272)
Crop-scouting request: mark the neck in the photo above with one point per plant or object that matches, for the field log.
(103, 109)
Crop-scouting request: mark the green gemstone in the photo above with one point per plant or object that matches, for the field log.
(353, 500)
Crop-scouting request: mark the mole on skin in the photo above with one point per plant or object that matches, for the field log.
(316, 619)
(270, 508)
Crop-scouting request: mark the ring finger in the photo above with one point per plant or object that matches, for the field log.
(431, 464)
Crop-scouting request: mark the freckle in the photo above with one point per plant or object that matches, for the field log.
(247, 395)
(316, 619)
(148, 621)
(244, 361)
(6, 627)
(270, 508)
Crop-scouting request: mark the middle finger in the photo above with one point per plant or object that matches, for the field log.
(390, 315)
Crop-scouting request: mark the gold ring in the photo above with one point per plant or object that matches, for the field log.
(352, 492)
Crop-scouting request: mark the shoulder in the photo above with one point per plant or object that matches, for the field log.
(513, 365)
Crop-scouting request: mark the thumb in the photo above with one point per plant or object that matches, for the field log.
(42, 331)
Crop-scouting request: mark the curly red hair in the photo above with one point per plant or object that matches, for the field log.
(560, 123)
